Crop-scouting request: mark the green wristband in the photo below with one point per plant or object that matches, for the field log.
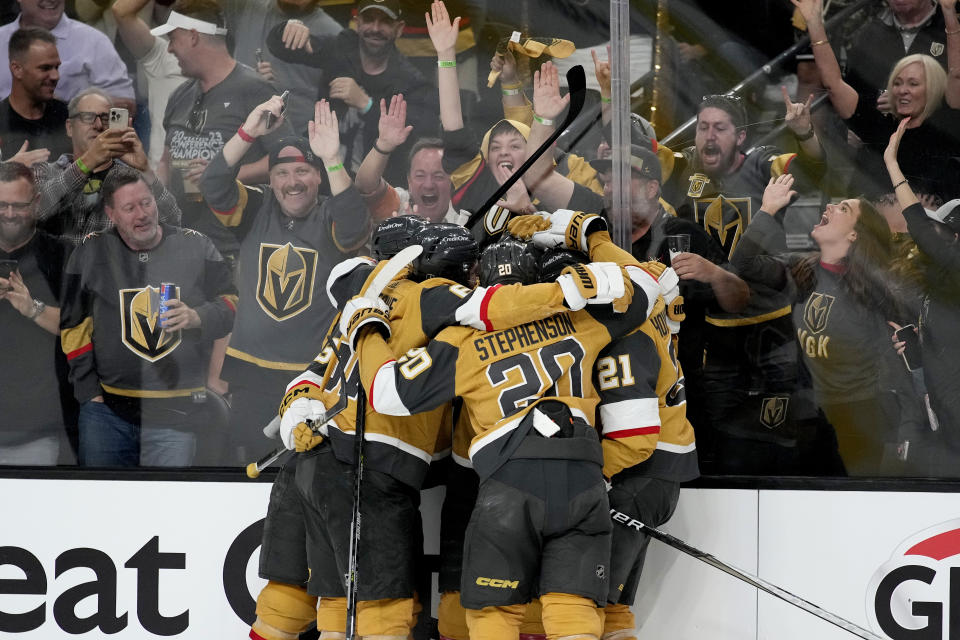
(335, 167)
(544, 121)
(606, 100)
(82, 166)
(446, 64)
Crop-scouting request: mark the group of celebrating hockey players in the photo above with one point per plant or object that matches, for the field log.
(550, 384)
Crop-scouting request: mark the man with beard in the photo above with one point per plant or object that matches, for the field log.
(289, 239)
(250, 22)
(364, 67)
(31, 270)
(31, 119)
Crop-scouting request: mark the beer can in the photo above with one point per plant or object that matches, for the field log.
(168, 291)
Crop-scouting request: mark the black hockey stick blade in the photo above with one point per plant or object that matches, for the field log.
(577, 84)
(678, 544)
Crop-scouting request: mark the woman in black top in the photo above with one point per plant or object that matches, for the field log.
(915, 90)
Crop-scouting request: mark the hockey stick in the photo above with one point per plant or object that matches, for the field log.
(632, 523)
(380, 281)
(577, 84)
(351, 577)
(391, 270)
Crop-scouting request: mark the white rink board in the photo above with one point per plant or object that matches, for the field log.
(832, 548)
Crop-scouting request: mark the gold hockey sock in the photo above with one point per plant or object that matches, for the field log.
(569, 616)
(495, 623)
(283, 611)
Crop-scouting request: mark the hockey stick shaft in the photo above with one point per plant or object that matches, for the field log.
(355, 523)
(627, 521)
(577, 83)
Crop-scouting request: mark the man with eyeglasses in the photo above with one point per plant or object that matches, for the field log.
(31, 362)
(70, 204)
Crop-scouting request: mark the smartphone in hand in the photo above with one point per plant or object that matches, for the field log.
(6, 268)
(911, 352)
(119, 118)
(270, 118)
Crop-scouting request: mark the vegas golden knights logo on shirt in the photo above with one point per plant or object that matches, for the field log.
(936, 49)
(816, 312)
(140, 323)
(725, 219)
(285, 279)
(773, 411)
(697, 182)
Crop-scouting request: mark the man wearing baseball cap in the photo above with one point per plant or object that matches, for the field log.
(206, 110)
(365, 68)
(290, 237)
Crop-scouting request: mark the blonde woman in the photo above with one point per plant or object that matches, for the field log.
(916, 89)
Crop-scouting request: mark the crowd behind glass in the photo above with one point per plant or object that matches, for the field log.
(822, 269)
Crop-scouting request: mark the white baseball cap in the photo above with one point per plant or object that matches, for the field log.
(180, 21)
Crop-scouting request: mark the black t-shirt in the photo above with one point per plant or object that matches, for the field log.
(926, 153)
(49, 132)
(32, 366)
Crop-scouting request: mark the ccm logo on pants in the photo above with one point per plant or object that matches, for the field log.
(496, 582)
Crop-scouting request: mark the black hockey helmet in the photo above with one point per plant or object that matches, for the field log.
(449, 251)
(509, 261)
(394, 234)
(553, 261)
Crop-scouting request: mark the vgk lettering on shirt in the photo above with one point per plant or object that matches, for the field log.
(496, 344)
(816, 318)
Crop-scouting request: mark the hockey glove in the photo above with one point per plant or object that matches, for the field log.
(360, 312)
(523, 227)
(305, 438)
(670, 290)
(297, 414)
(594, 283)
(568, 229)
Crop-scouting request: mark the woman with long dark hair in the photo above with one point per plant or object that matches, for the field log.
(843, 298)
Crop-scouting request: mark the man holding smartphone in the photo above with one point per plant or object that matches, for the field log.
(31, 362)
(69, 203)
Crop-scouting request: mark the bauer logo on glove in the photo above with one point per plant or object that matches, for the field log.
(360, 312)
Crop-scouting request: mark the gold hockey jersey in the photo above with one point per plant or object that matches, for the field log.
(642, 412)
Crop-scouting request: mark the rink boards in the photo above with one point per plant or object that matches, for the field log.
(137, 559)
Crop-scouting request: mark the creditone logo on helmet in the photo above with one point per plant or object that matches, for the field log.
(915, 595)
(285, 279)
(140, 324)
